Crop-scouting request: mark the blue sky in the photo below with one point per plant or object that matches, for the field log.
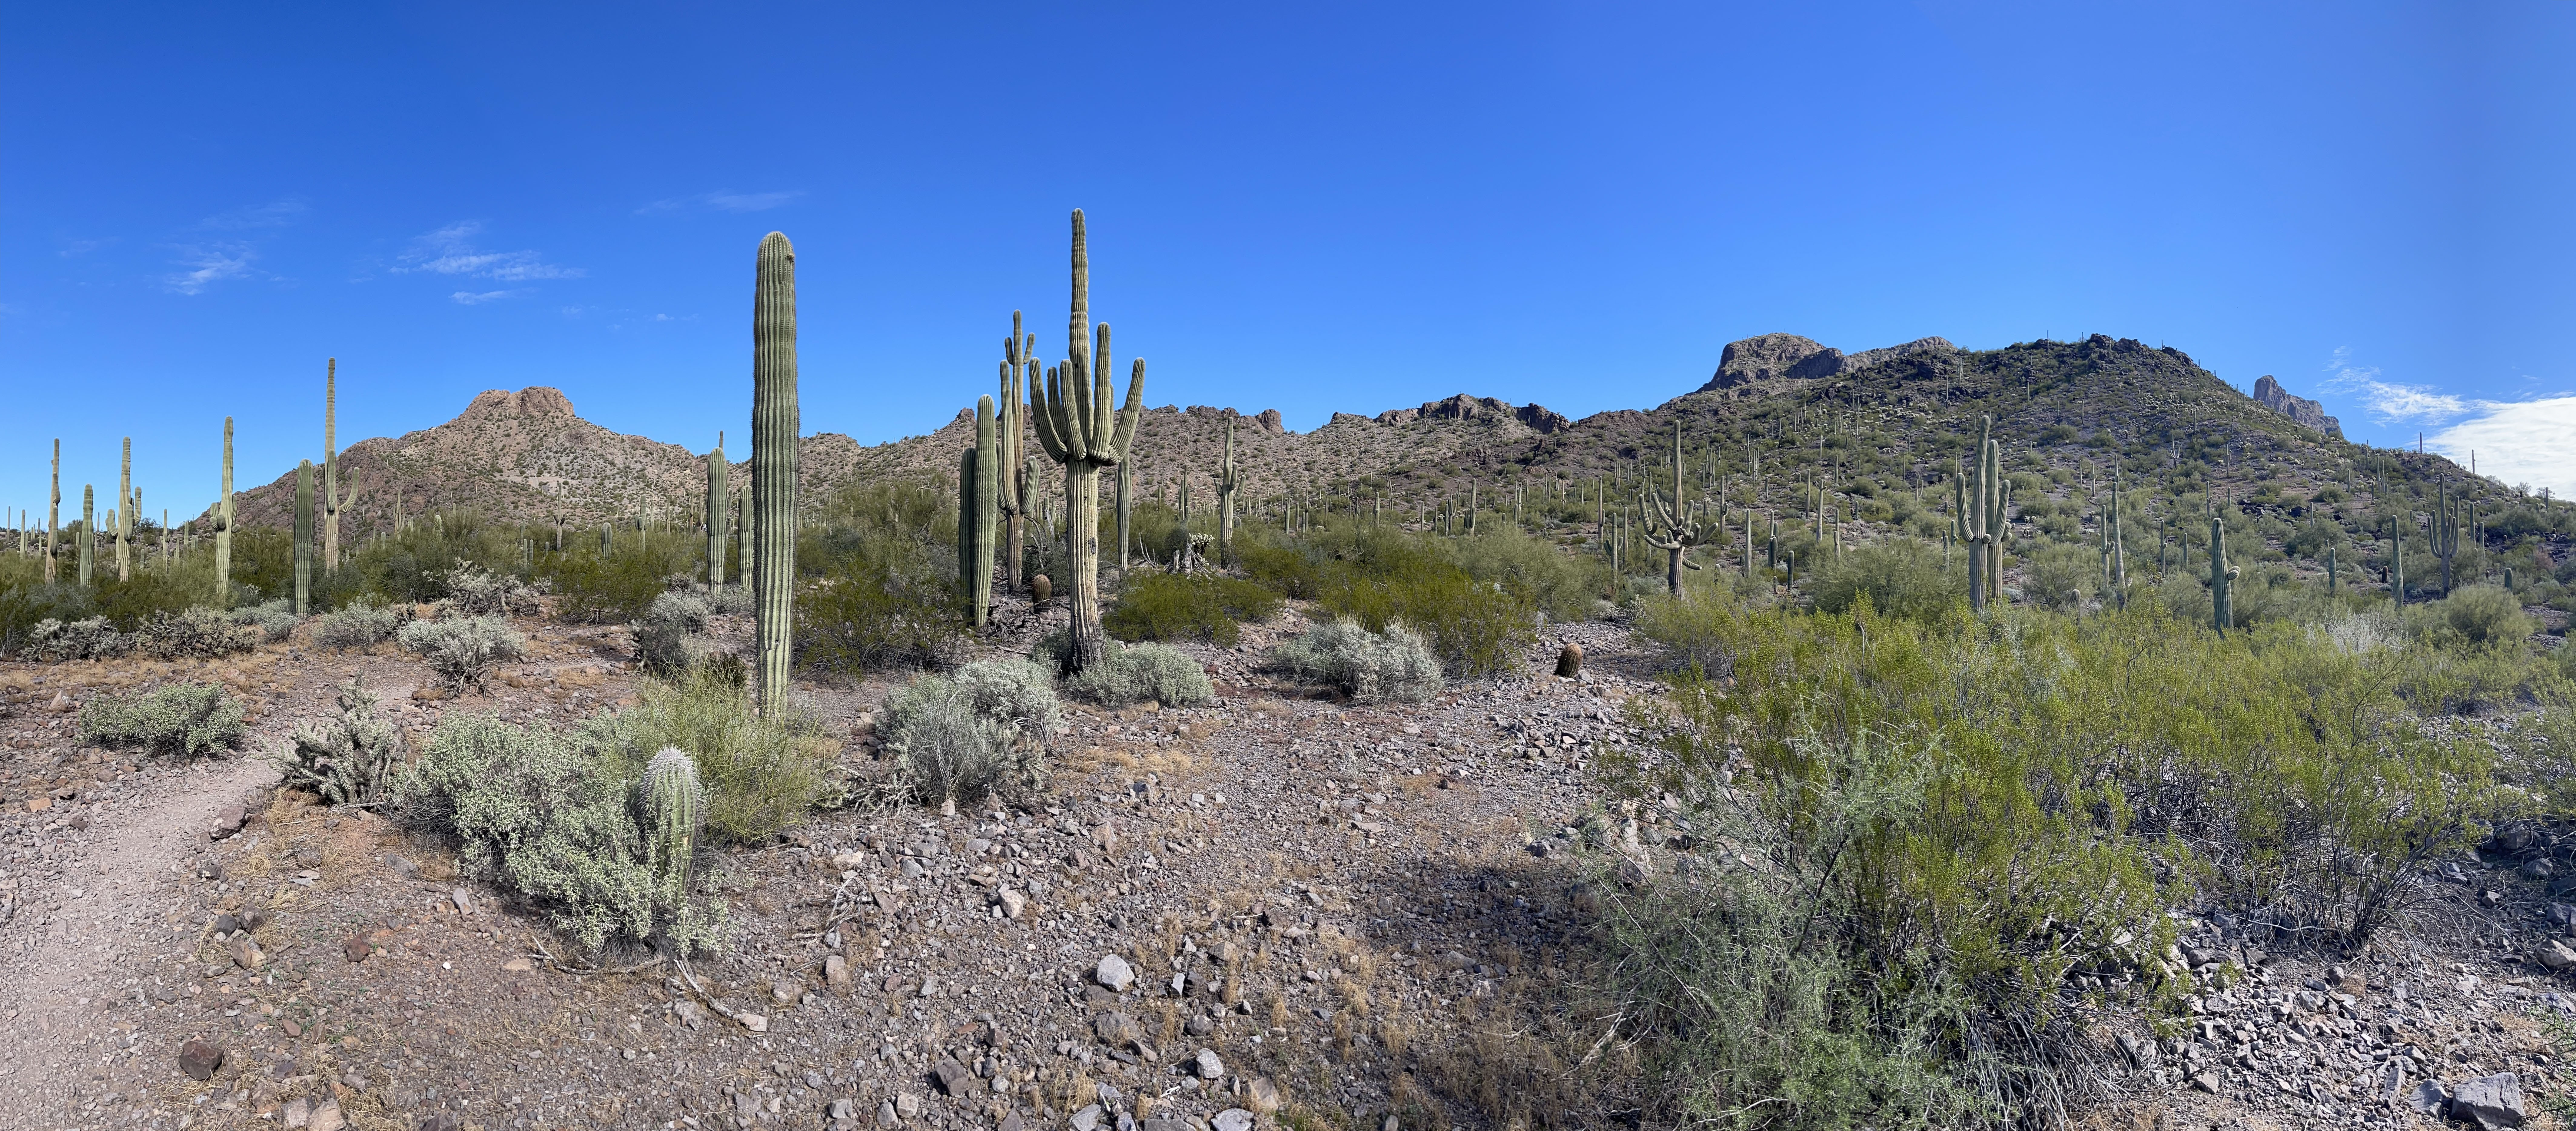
(1326, 208)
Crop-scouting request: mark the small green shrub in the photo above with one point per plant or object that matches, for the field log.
(349, 759)
(2484, 613)
(760, 773)
(178, 718)
(462, 651)
(275, 620)
(1698, 628)
(961, 737)
(1171, 606)
(667, 640)
(357, 626)
(1129, 673)
(881, 613)
(552, 817)
(1903, 578)
(198, 633)
(1393, 666)
(591, 589)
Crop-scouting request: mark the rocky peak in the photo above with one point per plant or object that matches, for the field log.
(1467, 407)
(533, 401)
(1771, 356)
(2303, 412)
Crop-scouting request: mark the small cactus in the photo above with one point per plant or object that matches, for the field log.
(1569, 662)
(54, 510)
(1040, 589)
(674, 805)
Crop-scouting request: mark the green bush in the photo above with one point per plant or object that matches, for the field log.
(891, 607)
(357, 625)
(667, 640)
(960, 738)
(1129, 673)
(1698, 629)
(462, 651)
(178, 718)
(1169, 606)
(1393, 666)
(552, 817)
(90, 638)
(592, 589)
(195, 634)
(760, 774)
(275, 620)
(1902, 578)
(2485, 613)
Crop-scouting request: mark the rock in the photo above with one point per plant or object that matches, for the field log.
(2492, 1101)
(2206, 1081)
(228, 820)
(2131, 1052)
(226, 924)
(836, 973)
(844, 1109)
(209, 868)
(1088, 1119)
(2556, 956)
(246, 954)
(1013, 903)
(402, 865)
(518, 966)
(1116, 1029)
(1011, 1122)
(953, 1078)
(785, 992)
(1114, 973)
(326, 1116)
(1262, 1095)
(355, 948)
(752, 1021)
(2540, 869)
(1209, 1065)
(2303, 412)
(886, 1116)
(298, 1113)
(464, 901)
(1161, 1124)
(1232, 1119)
(200, 1060)
(2428, 1099)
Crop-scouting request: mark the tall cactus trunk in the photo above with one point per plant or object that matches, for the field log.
(331, 466)
(125, 513)
(54, 509)
(2222, 578)
(1082, 535)
(1126, 510)
(988, 501)
(1011, 488)
(1082, 429)
(88, 533)
(774, 424)
(303, 536)
(716, 513)
(224, 526)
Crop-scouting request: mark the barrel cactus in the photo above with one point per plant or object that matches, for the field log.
(773, 465)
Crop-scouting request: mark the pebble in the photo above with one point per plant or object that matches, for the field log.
(1114, 973)
(199, 1059)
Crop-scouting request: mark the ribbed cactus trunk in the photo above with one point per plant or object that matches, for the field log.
(54, 508)
(2222, 578)
(774, 426)
(1079, 428)
(88, 533)
(2330, 571)
(1018, 353)
(1226, 483)
(716, 469)
(1126, 511)
(333, 502)
(224, 526)
(303, 535)
(2397, 560)
(987, 488)
(124, 521)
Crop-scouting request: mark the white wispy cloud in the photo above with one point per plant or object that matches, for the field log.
(2518, 443)
(2388, 401)
(276, 214)
(451, 251)
(726, 200)
(475, 298)
(204, 265)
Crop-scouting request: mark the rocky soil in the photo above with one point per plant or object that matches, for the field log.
(1280, 904)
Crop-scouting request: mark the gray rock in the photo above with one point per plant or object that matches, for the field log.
(464, 901)
(2303, 412)
(2206, 1081)
(2555, 955)
(2493, 1101)
(1115, 973)
(845, 1109)
(2429, 1098)
(886, 1116)
(1115, 1029)
(402, 865)
(1158, 1123)
(228, 820)
(1209, 1065)
(953, 1078)
(1232, 1119)
(1088, 1119)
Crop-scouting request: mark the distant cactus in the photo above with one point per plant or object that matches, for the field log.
(224, 526)
(124, 515)
(674, 808)
(1079, 428)
(1018, 363)
(2445, 534)
(303, 535)
(1980, 522)
(54, 509)
(716, 469)
(984, 511)
(1672, 525)
(2330, 571)
(2222, 578)
(333, 502)
(2397, 559)
(773, 465)
(88, 532)
(1227, 482)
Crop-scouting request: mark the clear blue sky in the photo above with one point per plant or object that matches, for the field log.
(1306, 207)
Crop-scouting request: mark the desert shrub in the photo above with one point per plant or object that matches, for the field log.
(356, 626)
(730, 600)
(2484, 613)
(26, 602)
(1901, 578)
(895, 612)
(178, 718)
(667, 640)
(276, 620)
(1697, 629)
(478, 592)
(195, 634)
(1129, 673)
(1379, 575)
(1561, 585)
(1393, 666)
(462, 651)
(593, 589)
(960, 738)
(1171, 606)
(90, 638)
(2059, 577)
(552, 818)
(759, 773)
(349, 759)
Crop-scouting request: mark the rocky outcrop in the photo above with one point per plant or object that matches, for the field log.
(1465, 407)
(2303, 412)
(1772, 356)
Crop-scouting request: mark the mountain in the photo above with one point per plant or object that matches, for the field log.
(1866, 423)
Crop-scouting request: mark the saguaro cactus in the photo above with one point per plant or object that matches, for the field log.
(2119, 548)
(1227, 482)
(1126, 510)
(716, 469)
(54, 510)
(2445, 534)
(2330, 571)
(1981, 524)
(333, 502)
(2222, 577)
(88, 533)
(1077, 427)
(1018, 357)
(224, 526)
(988, 495)
(303, 535)
(674, 804)
(2397, 560)
(773, 464)
(1672, 525)
(124, 515)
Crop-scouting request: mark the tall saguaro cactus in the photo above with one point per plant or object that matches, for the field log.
(774, 424)
(1672, 525)
(1018, 362)
(88, 532)
(979, 486)
(2119, 547)
(1981, 525)
(2445, 534)
(54, 512)
(303, 535)
(224, 526)
(1227, 483)
(1078, 428)
(333, 502)
(716, 469)
(125, 513)
(2222, 578)
(1126, 510)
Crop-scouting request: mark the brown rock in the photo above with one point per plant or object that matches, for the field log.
(356, 948)
(200, 1059)
(836, 973)
(954, 1080)
(1261, 1096)
(228, 820)
(246, 954)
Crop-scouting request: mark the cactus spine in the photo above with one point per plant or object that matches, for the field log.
(674, 804)
(224, 526)
(1078, 428)
(333, 502)
(1227, 482)
(88, 533)
(54, 517)
(303, 535)
(1018, 353)
(716, 470)
(123, 517)
(1981, 526)
(1672, 525)
(2445, 534)
(773, 464)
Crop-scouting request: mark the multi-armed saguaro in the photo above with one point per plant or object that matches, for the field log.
(773, 465)
(2222, 578)
(1981, 524)
(333, 502)
(1018, 359)
(1672, 525)
(1079, 429)
(716, 469)
(1227, 481)
(224, 526)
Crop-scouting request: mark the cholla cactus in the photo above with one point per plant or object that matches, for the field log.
(348, 760)
(674, 805)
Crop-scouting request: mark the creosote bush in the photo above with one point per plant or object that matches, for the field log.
(1393, 666)
(1203, 606)
(178, 718)
(1901, 578)
(667, 640)
(1475, 601)
(961, 737)
(462, 651)
(357, 626)
(759, 773)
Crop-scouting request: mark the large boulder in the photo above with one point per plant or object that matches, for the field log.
(2303, 412)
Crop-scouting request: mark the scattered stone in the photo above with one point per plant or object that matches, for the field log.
(886, 1116)
(785, 992)
(298, 1113)
(228, 820)
(402, 865)
(1115, 973)
(2206, 1081)
(752, 1021)
(1116, 1029)
(1209, 1065)
(246, 954)
(2556, 956)
(355, 948)
(844, 1109)
(326, 1116)
(518, 966)
(2492, 1101)
(836, 973)
(464, 901)
(1013, 903)
(199, 1059)
(953, 1078)
(1232, 1119)
(1262, 1095)
(1088, 1119)
(2429, 1098)
(209, 868)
